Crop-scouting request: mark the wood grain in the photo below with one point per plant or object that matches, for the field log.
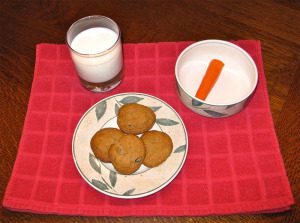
(276, 23)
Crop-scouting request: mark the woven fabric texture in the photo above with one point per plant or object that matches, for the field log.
(233, 165)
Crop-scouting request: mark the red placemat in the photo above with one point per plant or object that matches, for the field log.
(233, 164)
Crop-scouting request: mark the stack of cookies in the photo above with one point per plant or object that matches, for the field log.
(124, 149)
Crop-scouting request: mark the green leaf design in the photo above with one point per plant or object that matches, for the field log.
(129, 192)
(113, 178)
(196, 103)
(117, 109)
(99, 184)
(155, 108)
(166, 122)
(131, 99)
(100, 109)
(93, 163)
(229, 106)
(214, 113)
(180, 149)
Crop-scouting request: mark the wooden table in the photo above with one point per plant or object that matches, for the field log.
(275, 23)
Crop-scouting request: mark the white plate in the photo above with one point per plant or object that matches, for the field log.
(144, 181)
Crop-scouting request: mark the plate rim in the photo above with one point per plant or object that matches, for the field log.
(136, 195)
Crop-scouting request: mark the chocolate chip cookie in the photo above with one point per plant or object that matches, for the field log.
(128, 154)
(102, 140)
(158, 147)
(135, 118)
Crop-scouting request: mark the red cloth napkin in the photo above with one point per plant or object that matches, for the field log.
(233, 164)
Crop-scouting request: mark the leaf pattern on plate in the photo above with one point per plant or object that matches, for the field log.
(99, 184)
(196, 103)
(93, 163)
(131, 99)
(109, 181)
(129, 192)
(100, 109)
(155, 108)
(113, 178)
(180, 149)
(117, 109)
(166, 122)
(214, 113)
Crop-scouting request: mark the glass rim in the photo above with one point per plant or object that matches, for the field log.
(93, 54)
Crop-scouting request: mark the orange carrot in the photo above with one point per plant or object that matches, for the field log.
(211, 76)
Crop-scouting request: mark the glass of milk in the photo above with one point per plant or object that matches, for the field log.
(96, 49)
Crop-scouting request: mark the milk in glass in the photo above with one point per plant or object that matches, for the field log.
(97, 55)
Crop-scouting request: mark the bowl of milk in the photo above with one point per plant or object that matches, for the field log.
(232, 90)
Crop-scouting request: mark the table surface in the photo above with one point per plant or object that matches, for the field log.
(275, 23)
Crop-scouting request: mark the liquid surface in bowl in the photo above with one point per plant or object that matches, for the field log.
(238, 77)
(229, 88)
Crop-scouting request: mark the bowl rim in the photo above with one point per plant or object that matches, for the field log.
(236, 47)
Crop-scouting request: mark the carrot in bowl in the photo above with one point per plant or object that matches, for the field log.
(211, 76)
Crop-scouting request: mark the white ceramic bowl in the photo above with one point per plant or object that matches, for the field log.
(234, 86)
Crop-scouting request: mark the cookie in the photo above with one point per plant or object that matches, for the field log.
(102, 140)
(135, 118)
(158, 146)
(128, 154)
